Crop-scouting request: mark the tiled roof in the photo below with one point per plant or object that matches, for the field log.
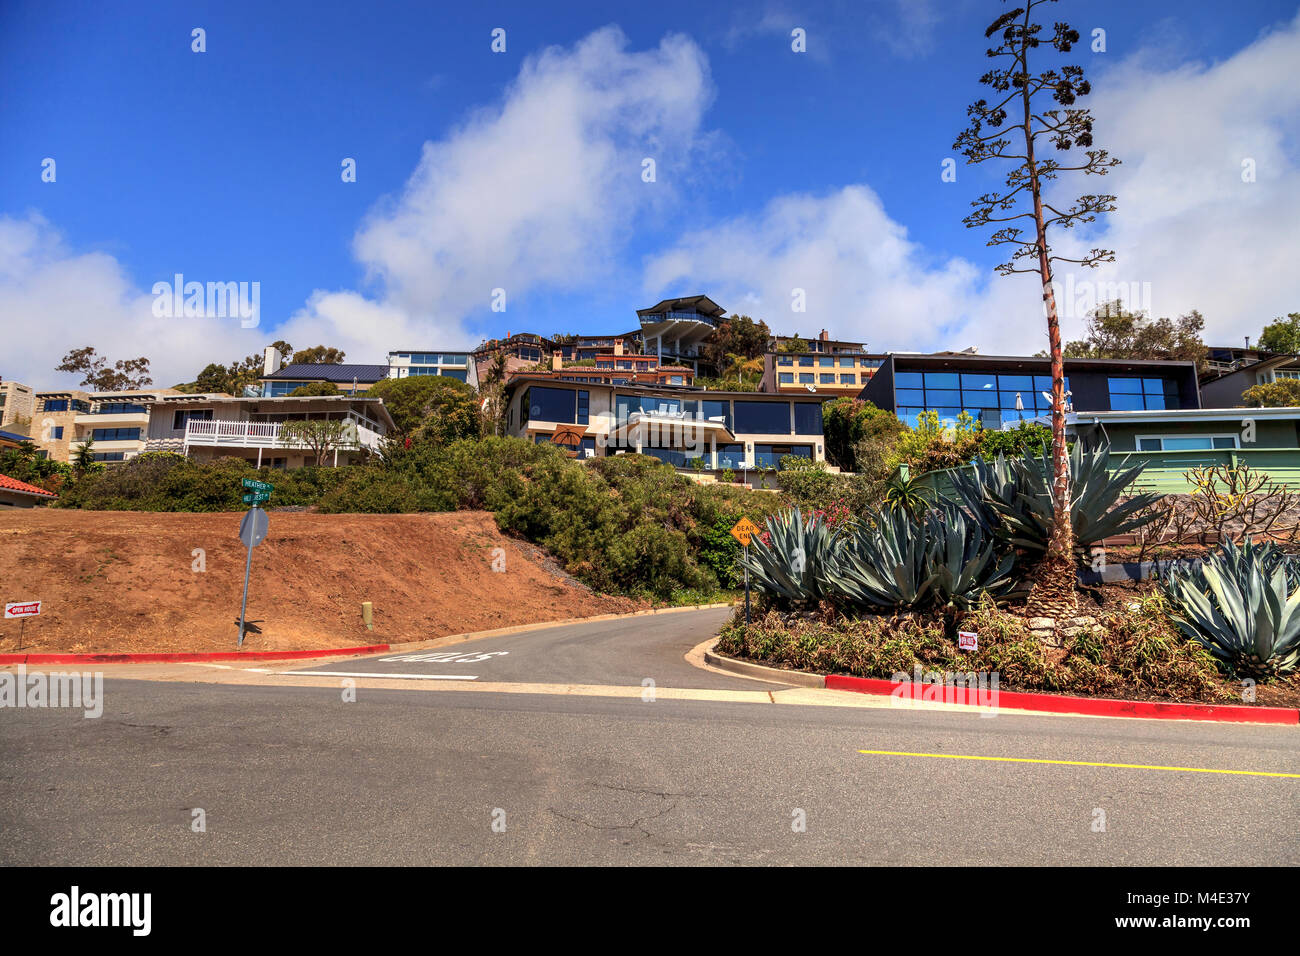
(13, 484)
(368, 374)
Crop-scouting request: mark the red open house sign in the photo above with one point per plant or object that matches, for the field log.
(22, 609)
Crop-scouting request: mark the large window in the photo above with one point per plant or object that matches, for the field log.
(763, 418)
(551, 404)
(808, 418)
(1137, 394)
(108, 456)
(116, 434)
(714, 409)
(280, 388)
(990, 397)
(119, 408)
(769, 456)
(584, 404)
(1185, 442)
(785, 378)
(179, 419)
(731, 456)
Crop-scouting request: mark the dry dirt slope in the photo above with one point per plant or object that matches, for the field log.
(124, 581)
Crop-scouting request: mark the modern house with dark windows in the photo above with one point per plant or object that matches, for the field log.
(691, 429)
(822, 364)
(675, 329)
(1000, 391)
(1230, 371)
(455, 365)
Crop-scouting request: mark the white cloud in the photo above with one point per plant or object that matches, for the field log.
(1186, 224)
(544, 189)
(539, 190)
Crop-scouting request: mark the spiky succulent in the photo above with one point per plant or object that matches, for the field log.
(1243, 605)
(1013, 497)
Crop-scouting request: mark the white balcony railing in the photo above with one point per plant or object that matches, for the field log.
(241, 434)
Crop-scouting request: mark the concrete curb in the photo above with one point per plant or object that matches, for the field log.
(1018, 700)
(1085, 706)
(183, 657)
(761, 671)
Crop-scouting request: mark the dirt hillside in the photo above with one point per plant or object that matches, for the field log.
(125, 581)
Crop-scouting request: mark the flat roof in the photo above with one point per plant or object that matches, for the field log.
(929, 358)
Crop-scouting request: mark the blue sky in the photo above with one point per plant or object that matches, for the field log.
(479, 170)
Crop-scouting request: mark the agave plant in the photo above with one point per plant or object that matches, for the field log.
(964, 560)
(1014, 497)
(906, 493)
(883, 563)
(1243, 605)
(789, 565)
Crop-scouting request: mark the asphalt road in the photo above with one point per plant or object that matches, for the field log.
(288, 774)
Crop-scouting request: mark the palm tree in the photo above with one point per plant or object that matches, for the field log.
(83, 459)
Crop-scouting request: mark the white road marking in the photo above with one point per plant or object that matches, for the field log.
(382, 675)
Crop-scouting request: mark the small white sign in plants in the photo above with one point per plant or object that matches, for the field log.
(968, 641)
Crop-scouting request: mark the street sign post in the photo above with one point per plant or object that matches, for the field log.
(743, 532)
(252, 529)
(257, 497)
(254, 485)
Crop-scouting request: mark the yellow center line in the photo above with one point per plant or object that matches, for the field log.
(1078, 763)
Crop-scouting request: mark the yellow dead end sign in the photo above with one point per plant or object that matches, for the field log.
(744, 531)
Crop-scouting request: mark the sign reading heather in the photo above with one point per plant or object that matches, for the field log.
(259, 486)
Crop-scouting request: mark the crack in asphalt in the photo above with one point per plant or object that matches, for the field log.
(637, 824)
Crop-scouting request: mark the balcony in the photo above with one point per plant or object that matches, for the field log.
(243, 434)
(112, 419)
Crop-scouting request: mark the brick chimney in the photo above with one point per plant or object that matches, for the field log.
(618, 346)
(824, 336)
(557, 360)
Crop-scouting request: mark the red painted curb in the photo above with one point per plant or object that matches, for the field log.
(1092, 706)
(180, 658)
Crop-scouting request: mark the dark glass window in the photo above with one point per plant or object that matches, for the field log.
(808, 418)
(731, 456)
(785, 378)
(710, 409)
(551, 404)
(769, 456)
(805, 378)
(179, 419)
(827, 378)
(1136, 394)
(908, 380)
(116, 434)
(584, 399)
(763, 418)
(56, 405)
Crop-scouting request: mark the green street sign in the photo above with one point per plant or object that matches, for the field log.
(256, 498)
(252, 485)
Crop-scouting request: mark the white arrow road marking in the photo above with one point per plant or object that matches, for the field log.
(383, 675)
